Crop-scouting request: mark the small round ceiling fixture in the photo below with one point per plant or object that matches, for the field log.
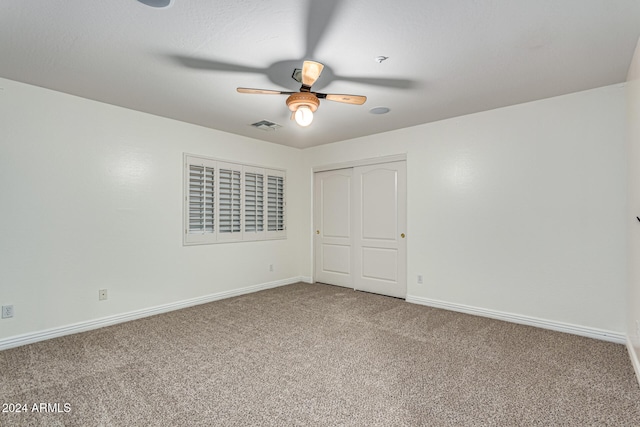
(380, 110)
(158, 4)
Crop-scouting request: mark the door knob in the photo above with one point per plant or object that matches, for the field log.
(317, 231)
(402, 235)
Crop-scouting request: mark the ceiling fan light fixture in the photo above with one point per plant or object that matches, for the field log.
(304, 116)
(303, 105)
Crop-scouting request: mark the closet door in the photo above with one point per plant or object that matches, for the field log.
(332, 227)
(379, 227)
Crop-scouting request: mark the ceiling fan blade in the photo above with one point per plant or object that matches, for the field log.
(262, 91)
(319, 16)
(382, 82)
(310, 72)
(208, 64)
(346, 99)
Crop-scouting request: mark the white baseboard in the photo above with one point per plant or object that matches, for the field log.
(634, 359)
(306, 279)
(75, 328)
(584, 331)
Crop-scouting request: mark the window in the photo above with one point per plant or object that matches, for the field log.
(232, 202)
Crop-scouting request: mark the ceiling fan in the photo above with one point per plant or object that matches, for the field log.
(304, 102)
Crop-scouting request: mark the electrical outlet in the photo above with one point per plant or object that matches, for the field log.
(102, 294)
(7, 311)
(270, 267)
(420, 279)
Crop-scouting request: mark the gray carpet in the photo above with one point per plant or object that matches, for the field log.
(318, 355)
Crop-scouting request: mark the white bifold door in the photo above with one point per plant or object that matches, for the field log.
(360, 226)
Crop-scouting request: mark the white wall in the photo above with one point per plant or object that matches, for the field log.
(92, 198)
(516, 210)
(633, 295)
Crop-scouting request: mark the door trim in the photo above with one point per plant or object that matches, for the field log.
(362, 162)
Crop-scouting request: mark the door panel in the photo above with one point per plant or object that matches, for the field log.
(336, 202)
(379, 218)
(380, 264)
(379, 204)
(332, 223)
(336, 258)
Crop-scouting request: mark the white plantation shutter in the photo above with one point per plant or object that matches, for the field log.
(253, 200)
(229, 200)
(196, 199)
(275, 203)
(232, 202)
(200, 199)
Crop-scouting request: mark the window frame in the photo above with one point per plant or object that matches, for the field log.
(217, 234)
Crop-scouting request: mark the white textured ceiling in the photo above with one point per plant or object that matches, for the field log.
(446, 57)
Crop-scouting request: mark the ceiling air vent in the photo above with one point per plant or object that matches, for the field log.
(266, 125)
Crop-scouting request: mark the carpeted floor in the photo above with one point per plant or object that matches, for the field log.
(318, 355)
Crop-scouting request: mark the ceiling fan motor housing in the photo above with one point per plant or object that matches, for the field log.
(300, 99)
